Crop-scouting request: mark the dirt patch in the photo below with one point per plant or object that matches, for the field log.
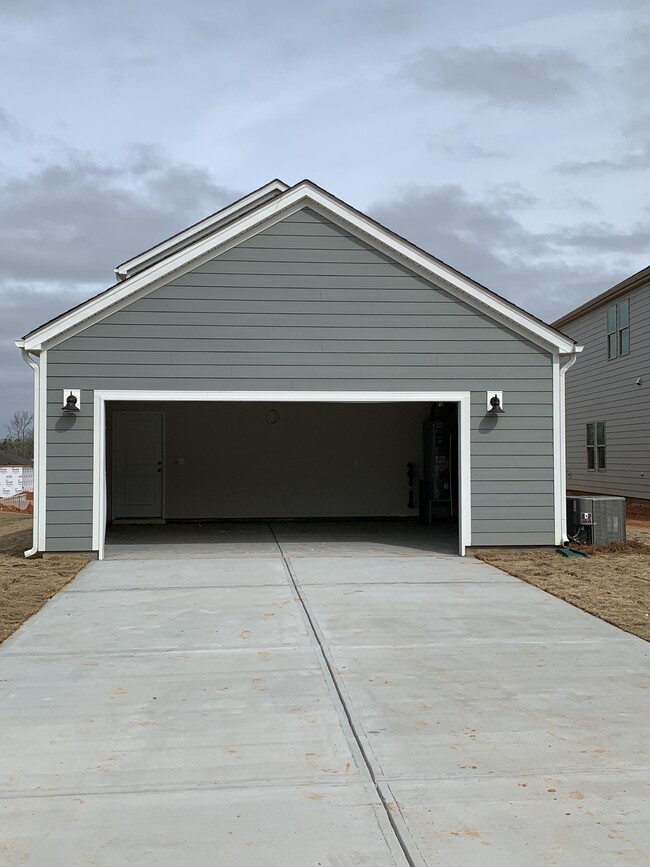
(26, 585)
(612, 582)
(637, 512)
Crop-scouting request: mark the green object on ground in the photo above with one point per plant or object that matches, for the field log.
(569, 552)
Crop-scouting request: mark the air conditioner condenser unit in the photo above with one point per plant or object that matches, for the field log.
(596, 520)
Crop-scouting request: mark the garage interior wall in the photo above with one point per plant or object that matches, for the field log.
(287, 460)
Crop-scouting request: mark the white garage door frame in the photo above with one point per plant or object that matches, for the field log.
(462, 398)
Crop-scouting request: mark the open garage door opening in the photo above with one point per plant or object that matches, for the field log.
(185, 470)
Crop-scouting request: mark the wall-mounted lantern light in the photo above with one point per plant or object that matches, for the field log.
(494, 403)
(71, 400)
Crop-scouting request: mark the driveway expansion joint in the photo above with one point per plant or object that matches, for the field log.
(401, 833)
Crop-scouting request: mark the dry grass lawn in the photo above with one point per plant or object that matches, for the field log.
(612, 582)
(26, 585)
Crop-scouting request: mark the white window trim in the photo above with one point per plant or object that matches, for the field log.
(596, 446)
(616, 306)
(462, 398)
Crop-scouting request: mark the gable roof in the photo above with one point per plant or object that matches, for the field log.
(251, 215)
(625, 286)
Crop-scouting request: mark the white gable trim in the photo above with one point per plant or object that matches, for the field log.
(302, 195)
(200, 229)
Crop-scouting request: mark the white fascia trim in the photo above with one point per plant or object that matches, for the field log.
(137, 263)
(464, 433)
(266, 214)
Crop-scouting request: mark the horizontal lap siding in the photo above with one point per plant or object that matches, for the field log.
(602, 389)
(306, 306)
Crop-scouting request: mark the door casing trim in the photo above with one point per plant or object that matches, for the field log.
(101, 396)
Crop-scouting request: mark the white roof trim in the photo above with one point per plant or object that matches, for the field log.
(301, 195)
(199, 230)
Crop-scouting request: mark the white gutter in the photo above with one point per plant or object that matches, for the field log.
(568, 364)
(36, 367)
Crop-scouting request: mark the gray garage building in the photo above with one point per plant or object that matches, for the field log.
(290, 358)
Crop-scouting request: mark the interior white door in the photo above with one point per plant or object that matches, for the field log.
(137, 465)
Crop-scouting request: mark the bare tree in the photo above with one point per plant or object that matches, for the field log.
(20, 433)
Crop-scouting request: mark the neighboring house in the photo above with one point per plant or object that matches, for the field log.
(608, 391)
(288, 357)
(16, 481)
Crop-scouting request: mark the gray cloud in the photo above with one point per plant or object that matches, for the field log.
(78, 219)
(9, 125)
(470, 151)
(386, 17)
(447, 223)
(633, 161)
(66, 226)
(546, 273)
(6, 122)
(604, 238)
(514, 77)
(22, 308)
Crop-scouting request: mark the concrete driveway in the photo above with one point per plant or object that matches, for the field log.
(319, 697)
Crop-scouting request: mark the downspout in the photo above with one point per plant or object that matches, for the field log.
(568, 364)
(34, 363)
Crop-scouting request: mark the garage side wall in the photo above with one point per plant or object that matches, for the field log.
(305, 305)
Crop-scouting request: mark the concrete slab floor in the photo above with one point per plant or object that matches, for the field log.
(189, 541)
(310, 538)
(183, 711)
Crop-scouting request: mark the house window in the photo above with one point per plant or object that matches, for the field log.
(618, 329)
(596, 446)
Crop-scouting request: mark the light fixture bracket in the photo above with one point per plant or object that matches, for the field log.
(71, 400)
(494, 402)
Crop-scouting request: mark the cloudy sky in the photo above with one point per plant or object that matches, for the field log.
(511, 139)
